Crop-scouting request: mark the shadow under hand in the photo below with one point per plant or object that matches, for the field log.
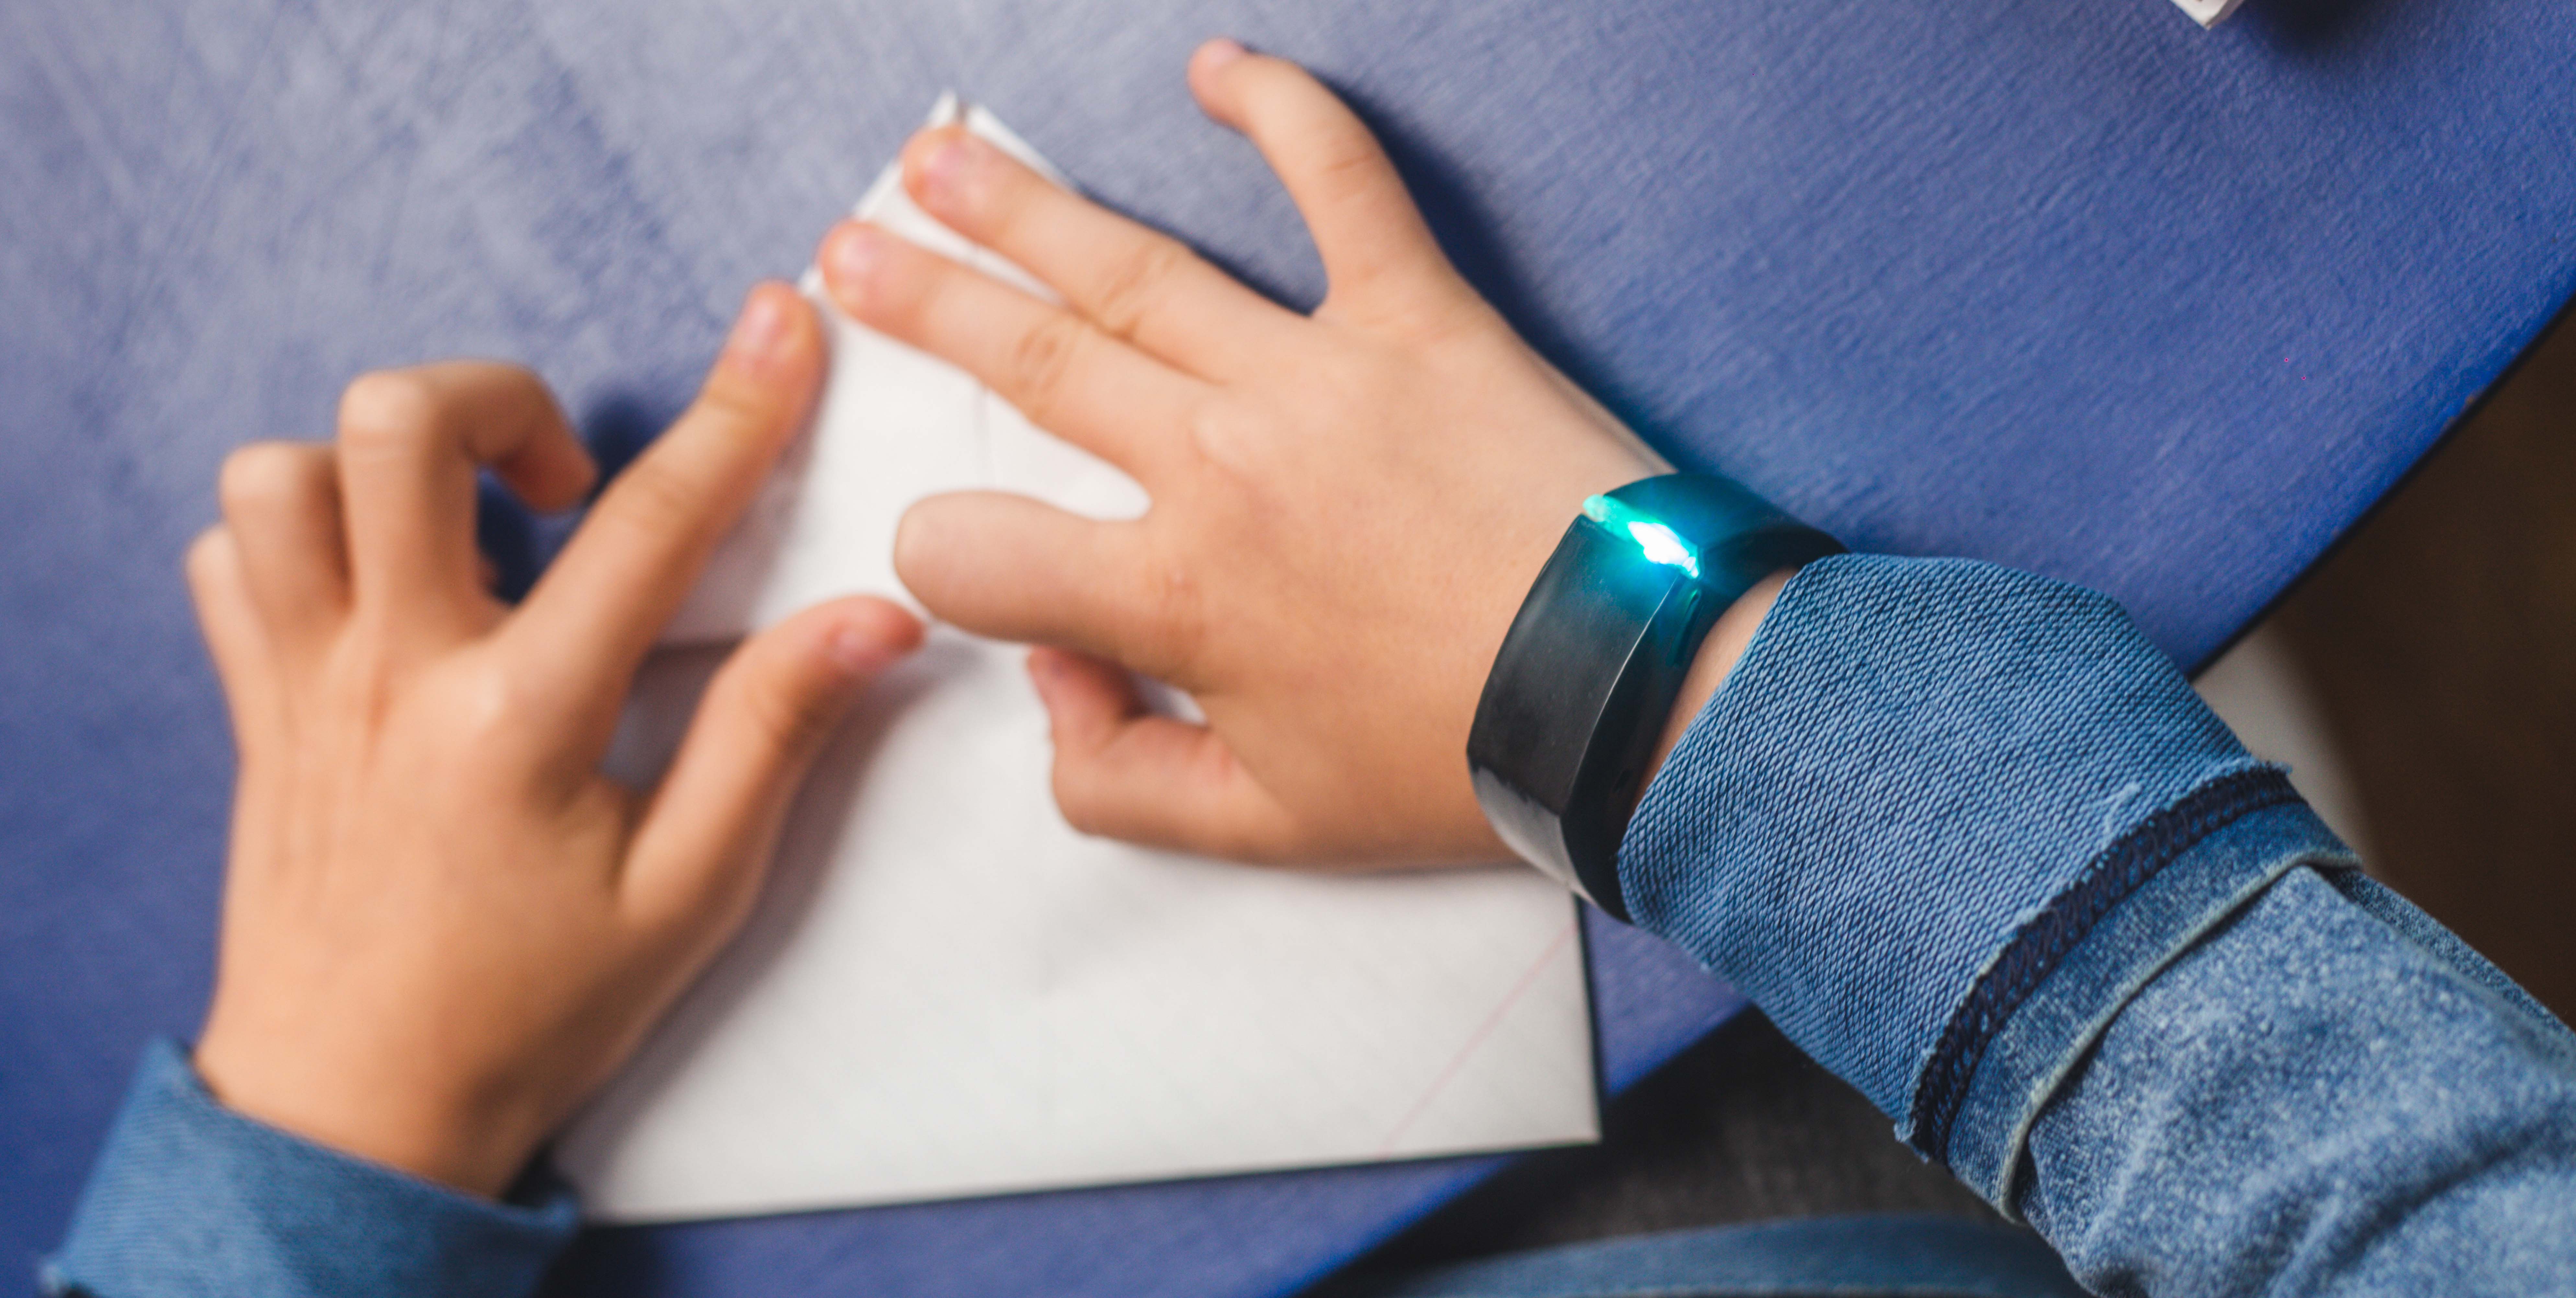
(520, 542)
(2313, 26)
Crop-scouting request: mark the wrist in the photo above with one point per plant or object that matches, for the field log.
(392, 1121)
(1718, 654)
(1578, 710)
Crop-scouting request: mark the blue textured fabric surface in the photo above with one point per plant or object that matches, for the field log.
(2061, 283)
(187, 1191)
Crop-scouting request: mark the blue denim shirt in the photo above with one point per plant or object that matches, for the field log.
(1972, 843)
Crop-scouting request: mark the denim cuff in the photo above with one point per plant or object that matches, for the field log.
(2150, 900)
(1913, 761)
(189, 1198)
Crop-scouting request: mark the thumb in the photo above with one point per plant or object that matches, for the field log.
(1007, 567)
(1124, 772)
(698, 857)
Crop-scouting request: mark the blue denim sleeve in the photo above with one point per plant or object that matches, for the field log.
(1975, 845)
(191, 1199)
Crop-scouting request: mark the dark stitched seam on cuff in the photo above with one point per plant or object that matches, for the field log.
(2045, 939)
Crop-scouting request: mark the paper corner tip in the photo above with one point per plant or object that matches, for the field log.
(2208, 13)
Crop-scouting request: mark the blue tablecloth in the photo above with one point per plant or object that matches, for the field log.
(2062, 283)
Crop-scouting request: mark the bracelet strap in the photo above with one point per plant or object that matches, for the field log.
(1598, 653)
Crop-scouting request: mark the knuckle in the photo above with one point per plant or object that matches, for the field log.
(388, 410)
(1167, 640)
(735, 403)
(1244, 845)
(1134, 282)
(1440, 314)
(1225, 829)
(514, 384)
(362, 685)
(788, 719)
(260, 477)
(1232, 441)
(1345, 162)
(481, 705)
(1078, 800)
(1037, 364)
(205, 559)
(1261, 836)
(490, 709)
(1080, 813)
(656, 499)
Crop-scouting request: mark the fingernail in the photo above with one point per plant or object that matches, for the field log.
(1219, 52)
(761, 326)
(857, 653)
(855, 253)
(947, 174)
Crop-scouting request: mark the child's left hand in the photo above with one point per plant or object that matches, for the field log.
(442, 925)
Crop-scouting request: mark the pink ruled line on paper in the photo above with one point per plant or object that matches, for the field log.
(1450, 1070)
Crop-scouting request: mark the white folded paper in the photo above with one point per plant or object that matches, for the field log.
(2209, 13)
(946, 991)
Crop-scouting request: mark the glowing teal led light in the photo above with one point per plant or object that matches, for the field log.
(1660, 544)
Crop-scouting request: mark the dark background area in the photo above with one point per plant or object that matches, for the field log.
(2438, 641)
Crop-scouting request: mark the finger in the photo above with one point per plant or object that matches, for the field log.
(1135, 283)
(705, 840)
(1371, 236)
(410, 443)
(602, 602)
(281, 503)
(1011, 568)
(1062, 371)
(1124, 772)
(228, 617)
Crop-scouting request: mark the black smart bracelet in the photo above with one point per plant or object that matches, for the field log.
(1589, 671)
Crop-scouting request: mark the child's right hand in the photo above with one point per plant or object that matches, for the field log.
(1348, 507)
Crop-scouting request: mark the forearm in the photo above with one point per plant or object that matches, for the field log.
(1945, 823)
